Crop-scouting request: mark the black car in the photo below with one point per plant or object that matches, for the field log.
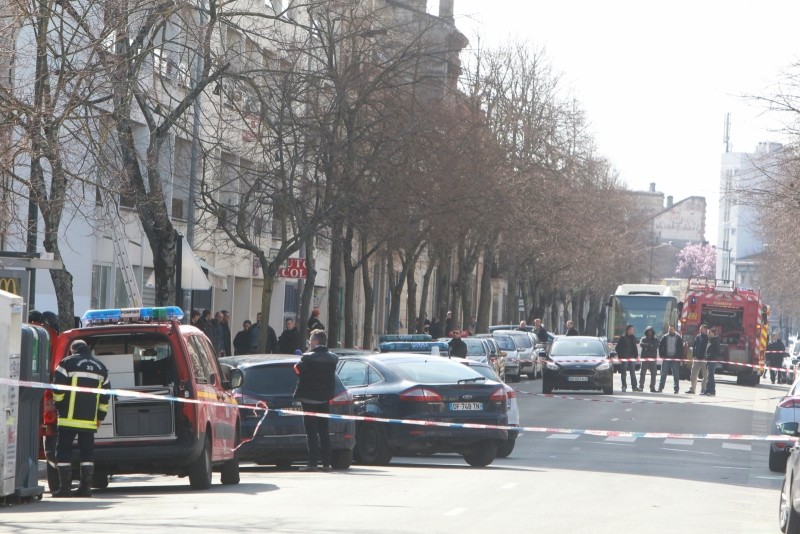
(281, 438)
(577, 362)
(426, 388)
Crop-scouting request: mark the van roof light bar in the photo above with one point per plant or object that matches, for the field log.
(163, 314)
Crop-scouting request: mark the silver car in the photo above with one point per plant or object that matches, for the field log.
(787, 410)
(525, 353)
(507, 345)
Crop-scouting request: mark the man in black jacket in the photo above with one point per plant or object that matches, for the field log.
(627, 349)
(649, 344)
(315, 388)
(290, 341)
(79, 414)
(713, 352)
(456, 346)
(699, 347)
(776, 351)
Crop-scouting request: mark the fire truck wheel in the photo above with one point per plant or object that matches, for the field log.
(200, 470)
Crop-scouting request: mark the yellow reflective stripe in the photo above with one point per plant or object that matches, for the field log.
(103, 407)
(77, 423)
(71, 409)
(58, 397)
(97, 399)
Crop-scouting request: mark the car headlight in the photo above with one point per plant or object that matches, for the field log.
(552, 366)
(603, 366)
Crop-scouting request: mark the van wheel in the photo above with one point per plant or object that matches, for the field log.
(200, 470)
(230, 468)
(504, 450)
(777, 461)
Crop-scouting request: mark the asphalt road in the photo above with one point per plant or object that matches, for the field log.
(552, 482)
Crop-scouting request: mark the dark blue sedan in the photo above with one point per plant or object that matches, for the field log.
(281, 439)
(424, 388)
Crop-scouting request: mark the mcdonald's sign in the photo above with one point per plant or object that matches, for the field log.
(11, 285)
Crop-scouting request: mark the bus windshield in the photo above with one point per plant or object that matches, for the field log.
(641, 311)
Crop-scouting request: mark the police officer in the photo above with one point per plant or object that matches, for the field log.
(79, 414)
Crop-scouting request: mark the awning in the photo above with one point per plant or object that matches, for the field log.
(217, 278)
(192, 275)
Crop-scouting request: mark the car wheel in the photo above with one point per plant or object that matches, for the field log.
(788, 518)
(777, 461)
(531, 376)
(547, 387)
(609, 390)
(481, 454)
(504, 450)
(200, 470)
(371, 446)
(342, 459)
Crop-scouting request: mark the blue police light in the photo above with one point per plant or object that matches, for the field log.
(132, 315)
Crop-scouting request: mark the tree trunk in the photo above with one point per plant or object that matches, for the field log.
(485, 296)
(414, 326)
(426, 284)
(442, 305)
(335, 283)
(369, 303)
(308, 288)
(349, 287)
(266, 302)
(396, 284)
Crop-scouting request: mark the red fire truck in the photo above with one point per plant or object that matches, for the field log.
(741, 320)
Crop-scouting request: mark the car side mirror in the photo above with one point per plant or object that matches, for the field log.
(237, 379)
(790, 428)
(542, 353)
(212, 379)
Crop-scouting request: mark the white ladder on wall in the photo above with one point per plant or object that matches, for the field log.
(123, 261)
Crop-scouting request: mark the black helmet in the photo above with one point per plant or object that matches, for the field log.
(51, 320)
(35, 316)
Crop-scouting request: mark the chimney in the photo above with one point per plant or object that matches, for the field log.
(669, 201)
(652, 187)
(446, 10)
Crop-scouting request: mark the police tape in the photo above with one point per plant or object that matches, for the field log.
(638, 401)
(680, 360)
(413, 422)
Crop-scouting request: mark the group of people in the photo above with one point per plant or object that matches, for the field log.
(217, 328)
(671, 348)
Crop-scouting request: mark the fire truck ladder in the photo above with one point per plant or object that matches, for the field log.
(123, 261)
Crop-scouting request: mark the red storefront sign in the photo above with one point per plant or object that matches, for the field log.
(295, 268)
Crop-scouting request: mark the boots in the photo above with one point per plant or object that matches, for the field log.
(65, 482)
(87, 473)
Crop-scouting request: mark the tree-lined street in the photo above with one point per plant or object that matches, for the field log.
(551, 482)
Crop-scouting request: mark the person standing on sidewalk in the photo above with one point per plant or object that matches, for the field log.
(713, 352)
(649, 344)
(627, 349)
(776, 351)
(671, 351)
(79, 415)
(699, 360)
(316, 373)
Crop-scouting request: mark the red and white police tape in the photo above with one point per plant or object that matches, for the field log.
(414, 422)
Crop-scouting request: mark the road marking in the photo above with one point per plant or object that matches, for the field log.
(676, 441)
(628, 409)
(623, 439)
(737, 447)
(772, 478)
(615, 419)
(508, 486)
(455, 511)
(563, 436)
(688, 451)
(731, 467)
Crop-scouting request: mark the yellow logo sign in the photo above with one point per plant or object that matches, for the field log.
(10, 285)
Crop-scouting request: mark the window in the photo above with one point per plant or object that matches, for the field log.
(353, 373)
(290, 304)
(199, 352)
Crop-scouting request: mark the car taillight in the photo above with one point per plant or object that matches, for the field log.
(499, 395)
(790, 402)
(511, 394)
(342, 399)
(418, 394)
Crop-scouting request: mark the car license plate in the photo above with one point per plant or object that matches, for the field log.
(578, 378)
(466, 406)
(293, 409)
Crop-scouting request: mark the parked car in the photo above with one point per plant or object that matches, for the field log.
(497, 357)
(513, 407)
(577, 362)
(281, 437)
(524, 344)
(787, 410)
(425, 388)
(506, 344)
(148, 350)
(789, 503)
(439, 348)
(790, 370)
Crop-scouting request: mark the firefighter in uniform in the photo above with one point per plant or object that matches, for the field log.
(79, 414)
